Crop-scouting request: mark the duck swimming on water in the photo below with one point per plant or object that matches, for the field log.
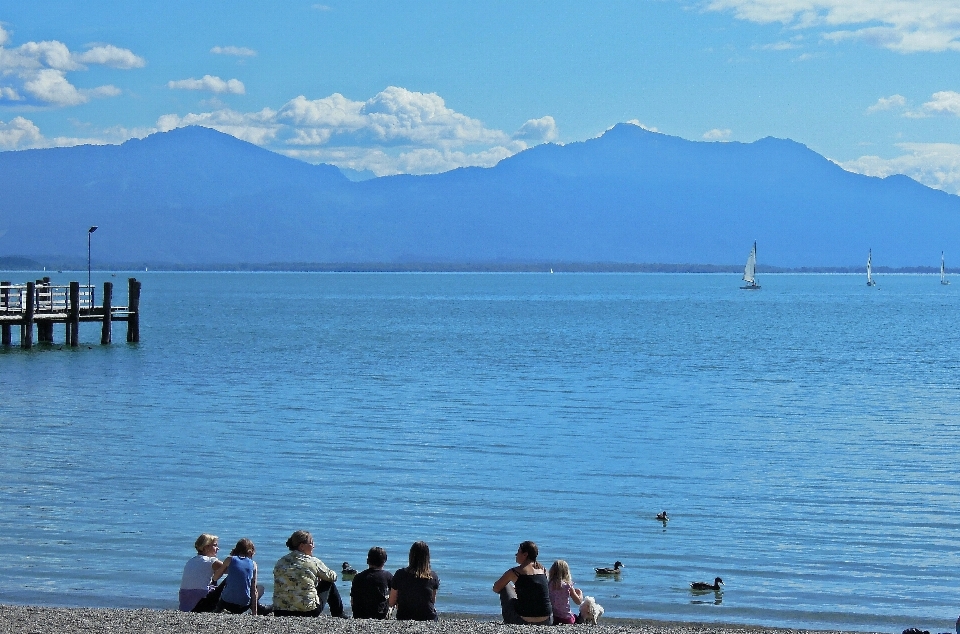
(700, 585)
(348, 572)
(662, 516)
(610, 571)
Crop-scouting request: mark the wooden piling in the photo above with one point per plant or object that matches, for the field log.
(44, 303)
(73, 320)
(26, 329)
(4, 305)
(133, 306)
(106, 334)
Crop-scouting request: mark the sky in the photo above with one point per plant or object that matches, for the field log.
(426, 86)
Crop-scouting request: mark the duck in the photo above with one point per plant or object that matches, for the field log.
(348, 572)
(610, 571)
(701, 585)
(662, 516)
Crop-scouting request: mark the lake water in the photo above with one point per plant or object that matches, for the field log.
(804, 439)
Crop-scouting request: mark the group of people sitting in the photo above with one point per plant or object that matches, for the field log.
(302, 585)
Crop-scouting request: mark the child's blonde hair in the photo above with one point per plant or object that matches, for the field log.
(560, 572)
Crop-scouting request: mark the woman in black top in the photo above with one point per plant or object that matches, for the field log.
(524, 590)
(413, 590)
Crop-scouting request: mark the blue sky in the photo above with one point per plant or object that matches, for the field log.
(422, 87)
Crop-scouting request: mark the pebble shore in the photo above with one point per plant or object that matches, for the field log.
(42, 620)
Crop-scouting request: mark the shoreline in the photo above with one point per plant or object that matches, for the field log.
(24, 619)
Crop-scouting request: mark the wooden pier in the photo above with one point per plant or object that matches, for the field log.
(45, 305)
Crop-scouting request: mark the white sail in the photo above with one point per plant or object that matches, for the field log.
(750, 270)
(870, 281)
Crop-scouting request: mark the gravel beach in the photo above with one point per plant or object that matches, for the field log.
(42, 620)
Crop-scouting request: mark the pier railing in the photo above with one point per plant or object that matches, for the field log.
(47, 299)
(46, 304)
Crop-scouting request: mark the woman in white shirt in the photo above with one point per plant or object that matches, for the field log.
(201, 572)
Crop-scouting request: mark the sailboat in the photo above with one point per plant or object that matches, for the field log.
(870, 281)
(750, 270)
(943, 272)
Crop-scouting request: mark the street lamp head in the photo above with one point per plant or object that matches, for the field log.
(92, 229)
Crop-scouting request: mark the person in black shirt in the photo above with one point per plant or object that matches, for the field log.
(524, 590)
(414, 588)
(371, 588)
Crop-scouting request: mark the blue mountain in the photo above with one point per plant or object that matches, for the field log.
(194, 196)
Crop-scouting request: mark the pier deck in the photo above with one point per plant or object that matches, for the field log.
(43, 304)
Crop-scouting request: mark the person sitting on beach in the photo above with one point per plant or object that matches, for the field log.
(200, 574)
(561, 591)
(413, 589)
(240, 592)
(370, 591)
(524, 590)
(302, 583)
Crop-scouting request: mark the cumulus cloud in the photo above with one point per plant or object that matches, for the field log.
(36, 72)
(905, 26)
(23, 134)
(236, 51)
(395, 131)
(717, 134)
(542, 130)
(19, 133)
(936, 165)
(112, 56)
(888, 103)
(209, 83)
(944, 102)
(259, 128)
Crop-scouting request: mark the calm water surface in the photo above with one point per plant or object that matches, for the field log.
(804, 439)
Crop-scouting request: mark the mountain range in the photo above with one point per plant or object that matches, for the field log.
(194, 197)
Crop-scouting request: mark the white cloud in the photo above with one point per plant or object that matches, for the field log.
(396, 131)
(888, 103)
(209, 83)
(637, 123)
(905, 26)
(109, 55)
(542, 130)
(36, 72)
(944, 102)
(936, 165)
(395, 116)
(259, 128)
(51, 86)
(322, 7)
(717, 134)
(18, 134)
(236, 51)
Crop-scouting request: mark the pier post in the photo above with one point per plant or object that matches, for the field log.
(5, 304)
(73, 321)
(133, 305)
(45, 327)
(106, 334)
(26, 329)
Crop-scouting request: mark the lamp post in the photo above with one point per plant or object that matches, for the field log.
(89, 287)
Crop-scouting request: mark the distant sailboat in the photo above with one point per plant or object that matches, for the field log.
(870, 281)
(750, 270)
(943, 272)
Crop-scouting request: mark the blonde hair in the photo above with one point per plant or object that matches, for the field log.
(203, 541)
(560, 572)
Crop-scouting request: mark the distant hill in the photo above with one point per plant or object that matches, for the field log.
(196, 197)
